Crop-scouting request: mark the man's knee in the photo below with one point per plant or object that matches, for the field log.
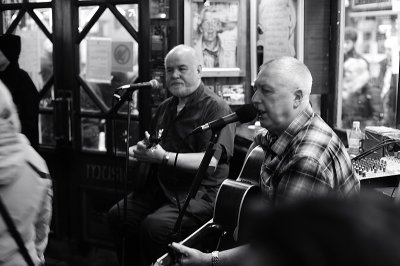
(154, 228)
(113, 215)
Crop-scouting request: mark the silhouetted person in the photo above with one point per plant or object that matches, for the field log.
(23, 91)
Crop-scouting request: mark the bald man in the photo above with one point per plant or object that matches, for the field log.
(304, 157)
(152, 213)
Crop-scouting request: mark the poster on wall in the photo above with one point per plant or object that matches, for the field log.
(98, 68)
(276, 28)
(213, 30)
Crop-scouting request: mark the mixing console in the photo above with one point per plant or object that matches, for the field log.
(368, 168)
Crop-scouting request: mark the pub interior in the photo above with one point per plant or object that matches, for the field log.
(139, 119)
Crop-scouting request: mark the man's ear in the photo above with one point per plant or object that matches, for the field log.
(298, 97)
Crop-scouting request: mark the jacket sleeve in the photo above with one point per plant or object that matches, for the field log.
(42, 224)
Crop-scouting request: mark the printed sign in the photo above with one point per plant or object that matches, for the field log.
(98, 67)
(122, 57)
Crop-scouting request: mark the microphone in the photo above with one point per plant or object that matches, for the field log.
(152, 84)
(244, 114)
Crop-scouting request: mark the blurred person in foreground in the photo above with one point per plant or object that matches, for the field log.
(25, 189)
(304, 157)
(25, 95)
(361, 231)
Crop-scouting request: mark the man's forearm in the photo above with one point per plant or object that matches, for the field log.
(233, 257)
(188, 161)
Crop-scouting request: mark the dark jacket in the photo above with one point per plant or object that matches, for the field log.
(24, 93)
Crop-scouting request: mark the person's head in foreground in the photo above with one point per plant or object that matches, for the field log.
(326, 232)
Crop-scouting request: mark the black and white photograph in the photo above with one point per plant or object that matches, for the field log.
(199, 132)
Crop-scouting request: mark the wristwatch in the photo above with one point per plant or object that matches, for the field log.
(214, 258)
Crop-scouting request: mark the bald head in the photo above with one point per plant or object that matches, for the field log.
(291, 72)
(282, 92)
(183, 51)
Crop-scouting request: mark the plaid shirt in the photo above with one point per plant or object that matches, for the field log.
(308, 159)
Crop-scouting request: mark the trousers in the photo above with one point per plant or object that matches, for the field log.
(150, 218)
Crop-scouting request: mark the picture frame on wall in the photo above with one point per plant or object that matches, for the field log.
(277, 30)
(217, 30)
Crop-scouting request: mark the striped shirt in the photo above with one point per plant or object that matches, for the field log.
(307, 160)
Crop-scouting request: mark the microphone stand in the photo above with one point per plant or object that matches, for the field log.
(126, 97)
(195, 184)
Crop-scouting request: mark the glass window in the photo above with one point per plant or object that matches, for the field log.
(131, 13)
(47, 99)
(115, 47)
(8, 18)
(46, 132)
(370, 64)
(36, 56)
(11, 1)
(92, 134)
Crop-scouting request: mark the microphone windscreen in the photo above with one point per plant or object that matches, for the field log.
(246, 113)
(154, 83)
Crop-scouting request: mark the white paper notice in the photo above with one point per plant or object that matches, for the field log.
(98, 68)
(29, 59)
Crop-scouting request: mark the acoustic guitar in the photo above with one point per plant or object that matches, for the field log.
(232, 203)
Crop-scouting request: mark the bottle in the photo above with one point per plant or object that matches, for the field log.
(355, 139)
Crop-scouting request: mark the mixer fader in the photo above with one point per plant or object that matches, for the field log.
(369, 168)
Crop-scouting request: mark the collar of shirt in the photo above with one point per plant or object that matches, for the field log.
(280, 145)
(216, 47)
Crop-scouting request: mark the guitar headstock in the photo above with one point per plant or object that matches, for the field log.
(154, 139)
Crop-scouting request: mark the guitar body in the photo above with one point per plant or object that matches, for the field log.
(233, 200)
(250, 172)
(232, 205)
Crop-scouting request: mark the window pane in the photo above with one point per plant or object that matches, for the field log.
(11, 1)
(47, 100)
(120, 133)
(8, 18)
(36, 56)
(45, 16)
(46, 132)
(109, 42)
(93, 134)
(370, 67)
(131, 13)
